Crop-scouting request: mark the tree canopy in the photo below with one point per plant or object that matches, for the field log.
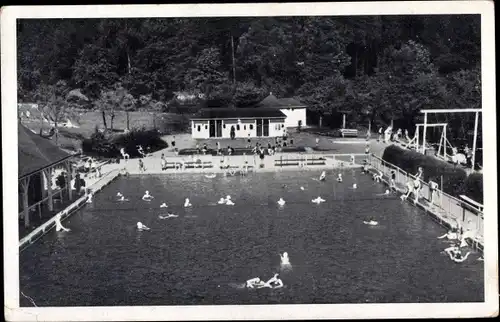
(374, 68)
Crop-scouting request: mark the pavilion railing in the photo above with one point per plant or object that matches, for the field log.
(44, 202)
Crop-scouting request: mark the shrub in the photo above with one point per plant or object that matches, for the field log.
(434, 169)
(150, 141)
(474, 187)
(100, 144)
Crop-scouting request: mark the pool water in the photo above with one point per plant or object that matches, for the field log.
(207, 253)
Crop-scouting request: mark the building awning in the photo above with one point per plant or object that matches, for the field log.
(35, 152)
(237, 113)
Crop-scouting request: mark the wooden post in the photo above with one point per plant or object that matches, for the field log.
(48, 175)
(320, 121)
(441, 194)
(439, 147)
(417, 134)
(25, 184)
(68, 179)
(343, 121)
(445, 155)
(474, 142)
(424, 134)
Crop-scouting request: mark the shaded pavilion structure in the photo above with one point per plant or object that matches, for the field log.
(39, 159)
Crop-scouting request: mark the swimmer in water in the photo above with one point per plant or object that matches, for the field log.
(318, 200)
(354, 186)
(169, 215)
(371, 222)
(284, 259)
(187, 203)
(122, 198)
(59, 226)
(274, 282)
(302, 188)
(281, 202)
(409, 190)
(89, 200)
(339, 177)
(141, 227)
(221, 201)
(210, 176)
(147, 196)
(119, 194)
(449, 235)
(378, 176)
(254, 282)
(386, 193)
(163, 205)
(457, 256)
(322, 177)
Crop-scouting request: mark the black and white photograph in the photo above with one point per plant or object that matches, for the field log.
(249, 161)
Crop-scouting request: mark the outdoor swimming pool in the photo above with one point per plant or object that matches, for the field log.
(204, 255)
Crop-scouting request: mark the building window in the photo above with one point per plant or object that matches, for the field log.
(199, 128)
(237, 127)
(282, 126)
(224, 126)
(206, 127)
(244, 127)
(251, 126)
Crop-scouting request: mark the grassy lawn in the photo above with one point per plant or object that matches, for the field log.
(70, 138)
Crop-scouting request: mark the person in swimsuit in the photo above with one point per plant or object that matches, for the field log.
(254, 282)
(274, 282)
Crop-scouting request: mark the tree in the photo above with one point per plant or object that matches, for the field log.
(113, 100)
(53, 105)
(247, 94)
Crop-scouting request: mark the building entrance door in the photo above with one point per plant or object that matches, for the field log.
(211, 130)
(266, 127)
(259, 127)
(218, 128)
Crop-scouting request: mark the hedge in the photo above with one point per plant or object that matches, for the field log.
(474, 187)
(454, 178)
(109, 146)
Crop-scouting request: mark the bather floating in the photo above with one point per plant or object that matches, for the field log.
(318, 200)
(169, 215)
(141, 226)
(147, 196)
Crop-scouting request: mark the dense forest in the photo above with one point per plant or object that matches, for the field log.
(374, 68)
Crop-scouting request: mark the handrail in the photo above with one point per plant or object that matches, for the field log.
(458, 201)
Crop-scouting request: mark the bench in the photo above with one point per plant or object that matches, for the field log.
(348, 133)
(296, 162)
(189, 165)
(280, 163)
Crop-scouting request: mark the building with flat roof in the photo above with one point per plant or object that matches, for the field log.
(238, 123)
